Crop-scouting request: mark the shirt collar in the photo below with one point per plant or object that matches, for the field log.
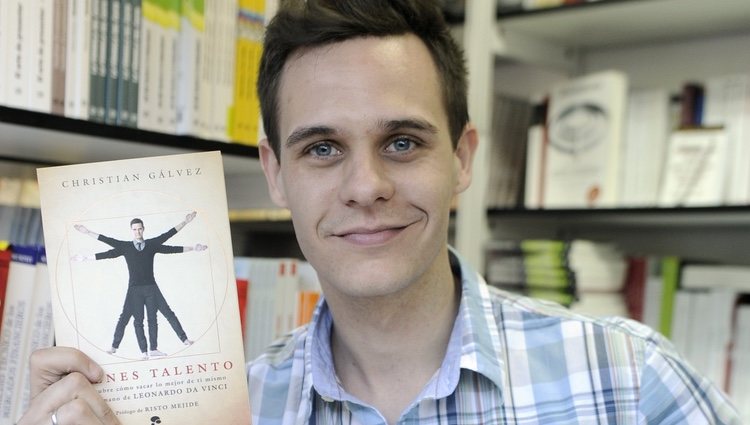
(474, 341)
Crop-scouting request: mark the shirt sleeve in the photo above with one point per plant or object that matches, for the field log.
(164, 236)
(112, 253)
(170, 249)
(673, 392)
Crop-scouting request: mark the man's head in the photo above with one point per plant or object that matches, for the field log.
(136, 225)
(303, 25)
(367, 161)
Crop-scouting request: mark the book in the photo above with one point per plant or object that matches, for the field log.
(89, 213)
(40, 333)
(189, 51)
(717, 276)
(16, 322)
(585, 135)
(59, 49)
(536, 147)
(727, 104)
(695, 173)
(644, 147)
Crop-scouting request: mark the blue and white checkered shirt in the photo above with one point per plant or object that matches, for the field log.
(510, 360)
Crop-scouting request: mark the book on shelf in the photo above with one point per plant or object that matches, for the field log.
(244, 125)
(282, 294)
(585, 122)
(695, 173)
(644, 147)
(510, 123)
(77, 56)
(718, 276)
(59, 51)
(134, 242)
(190, 49)
(14, 332)
(739, 361)
(536, 148)
(691, 104)
(727, 104)
(40, 333)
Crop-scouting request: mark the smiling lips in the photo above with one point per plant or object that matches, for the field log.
(370, 236)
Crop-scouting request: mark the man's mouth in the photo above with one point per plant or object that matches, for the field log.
(370, 236)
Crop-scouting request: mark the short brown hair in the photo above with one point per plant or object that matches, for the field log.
(313, 23)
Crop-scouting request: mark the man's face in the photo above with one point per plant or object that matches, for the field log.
(137, 229)
(367, 167)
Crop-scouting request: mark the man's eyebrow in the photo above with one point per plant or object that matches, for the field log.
(303, 133)
(408, 123)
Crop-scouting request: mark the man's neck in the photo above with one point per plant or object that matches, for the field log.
(386, 350)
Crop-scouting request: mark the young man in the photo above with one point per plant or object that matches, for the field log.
(143, 290)
(364, 105)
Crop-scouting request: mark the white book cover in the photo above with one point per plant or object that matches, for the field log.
(585, 119)
(16, 322)
(139, 248)
(695, 172)
(71, 52)
(170, 29)
(228, 10)
(727, 104)
(644, 147)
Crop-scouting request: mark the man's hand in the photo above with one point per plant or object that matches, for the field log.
(199, 247)
(61, 384)
(81, 228)
(190, 217)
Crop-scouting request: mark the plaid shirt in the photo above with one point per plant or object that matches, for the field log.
(510, 360)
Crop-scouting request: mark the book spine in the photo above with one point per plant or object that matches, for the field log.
(40, 88)
(59, 48)
(124, 66)
(4, 44)
(41, 327)
(147, 61)
(15, 325)
(71, 65)
(135, 61)
(96, 72)
(83, 79)
(171, 28)
(113, 61)
(18, 75)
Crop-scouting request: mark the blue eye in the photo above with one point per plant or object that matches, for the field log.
(323, 150)
(401, 144)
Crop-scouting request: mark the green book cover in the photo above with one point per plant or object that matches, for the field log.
(670, 273)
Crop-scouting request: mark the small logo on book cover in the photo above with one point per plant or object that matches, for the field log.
(155, 420)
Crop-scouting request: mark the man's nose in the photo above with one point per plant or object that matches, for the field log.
(366, 180)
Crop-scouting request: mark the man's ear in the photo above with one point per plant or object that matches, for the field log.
(464, 157)
(272, 170)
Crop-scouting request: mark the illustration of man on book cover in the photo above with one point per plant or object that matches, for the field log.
(143, 290)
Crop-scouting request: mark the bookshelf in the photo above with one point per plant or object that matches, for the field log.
(658, 43)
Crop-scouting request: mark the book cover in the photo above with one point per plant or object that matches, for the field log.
(141, 278)
(585, 135)
(59, 47)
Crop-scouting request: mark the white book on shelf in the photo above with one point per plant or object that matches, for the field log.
(534, 165)
(40, 83)
(77, 78)
(695, 172)
(16, 321)
(41, 332)
(18, 59)
(727, 104)
(585, 120)
(739, 377)
(187, 71)
(716, 276)
(644, 147)
(224, 72)
(148, 68)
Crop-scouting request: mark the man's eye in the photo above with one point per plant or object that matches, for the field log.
(323, 150)
(401, 144)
